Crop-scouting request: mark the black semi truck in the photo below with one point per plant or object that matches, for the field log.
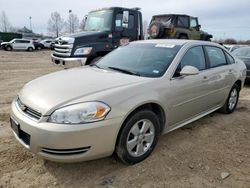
(105, 29)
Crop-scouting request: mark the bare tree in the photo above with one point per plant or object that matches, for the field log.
(5, 25)
(72, 23)
(55, 24)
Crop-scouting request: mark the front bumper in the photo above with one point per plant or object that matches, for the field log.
(68, 62)
(66, 143)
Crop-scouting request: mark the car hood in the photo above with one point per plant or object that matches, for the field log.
(51, 91)
(5, 43)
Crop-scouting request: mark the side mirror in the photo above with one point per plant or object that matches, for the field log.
(125, 19)
(189, 70)
(198, 27)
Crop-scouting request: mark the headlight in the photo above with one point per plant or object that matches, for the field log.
(83, 51)
(80, 113)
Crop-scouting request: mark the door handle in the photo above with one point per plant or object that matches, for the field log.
(230, 71)
(205, 77)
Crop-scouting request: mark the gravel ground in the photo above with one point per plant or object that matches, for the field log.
(213, 152)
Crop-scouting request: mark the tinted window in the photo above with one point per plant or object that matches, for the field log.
(182, 21)
(230, 59)
(216, 56)
(148, 60)
(18, 41)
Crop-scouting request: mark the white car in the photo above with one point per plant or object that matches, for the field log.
(18, 44)
(47, 42)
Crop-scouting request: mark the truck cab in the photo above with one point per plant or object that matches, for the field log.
(105, 29)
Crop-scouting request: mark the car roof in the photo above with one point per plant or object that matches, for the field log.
(178, 42)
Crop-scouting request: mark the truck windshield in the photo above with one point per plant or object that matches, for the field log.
(99, 21)
(147, 60)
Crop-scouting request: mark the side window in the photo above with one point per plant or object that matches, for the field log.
(193, 57)
(26, 41)
(216, 56)
(183, 21)
(118, 20)
(193, 22)
(230, 59)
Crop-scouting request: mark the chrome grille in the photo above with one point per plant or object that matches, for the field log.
(28, 111)
(63, 46)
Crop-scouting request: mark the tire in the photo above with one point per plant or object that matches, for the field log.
(232, 100)
(8, 48)
(30, 49)
(156, 30)
(183, 37)
(39, 48)
(135, 130)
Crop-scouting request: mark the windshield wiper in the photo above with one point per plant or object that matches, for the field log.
(125, 71)
(95, 65)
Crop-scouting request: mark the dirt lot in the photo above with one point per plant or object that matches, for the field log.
(193, 157)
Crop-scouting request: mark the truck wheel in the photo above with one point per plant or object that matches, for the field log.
(8, 48)
(138, 137)
(156, 30)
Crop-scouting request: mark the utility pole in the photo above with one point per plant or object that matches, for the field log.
(70, 21)
(30, 24)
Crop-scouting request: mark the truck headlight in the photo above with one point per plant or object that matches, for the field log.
(80, 113)
(83, 51)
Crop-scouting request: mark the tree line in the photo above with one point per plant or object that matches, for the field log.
(56, 24)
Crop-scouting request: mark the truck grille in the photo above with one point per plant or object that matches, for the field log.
(28, 111)
(63, 47)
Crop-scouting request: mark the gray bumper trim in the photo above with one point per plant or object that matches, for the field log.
(68, 62)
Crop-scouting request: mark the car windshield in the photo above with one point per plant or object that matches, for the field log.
(147, 60)
(242, 52)
(99, 21)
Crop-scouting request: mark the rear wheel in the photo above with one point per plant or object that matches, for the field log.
(30, 49)
(232, 100)
(138, 137)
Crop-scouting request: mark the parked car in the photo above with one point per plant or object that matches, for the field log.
(38, 45)
(19, 44)
(243, 53)
(124, 102)
(47, 42)
(232, 47)
(52, 46)
(177, 26)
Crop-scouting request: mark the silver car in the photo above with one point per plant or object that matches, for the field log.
(124, 102)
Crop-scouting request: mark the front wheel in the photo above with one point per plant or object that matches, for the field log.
(232, 100)
(8, 48)
(138, 137)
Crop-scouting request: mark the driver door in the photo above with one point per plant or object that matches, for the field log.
(189, 93)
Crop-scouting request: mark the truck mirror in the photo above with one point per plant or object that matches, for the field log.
(125, 19)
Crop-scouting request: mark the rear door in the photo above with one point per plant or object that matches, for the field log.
(221, 73)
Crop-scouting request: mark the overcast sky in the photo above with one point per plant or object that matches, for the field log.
(222, 18)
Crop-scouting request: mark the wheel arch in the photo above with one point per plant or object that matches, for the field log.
(154, 107)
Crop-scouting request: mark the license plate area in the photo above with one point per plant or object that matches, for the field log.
(15, 126)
